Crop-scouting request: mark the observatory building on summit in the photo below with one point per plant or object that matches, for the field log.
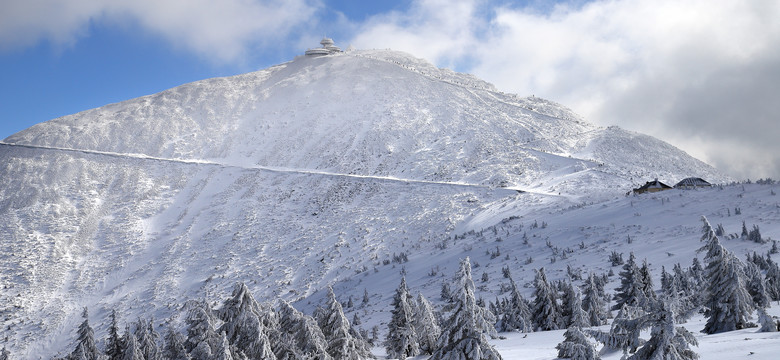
(327, 48)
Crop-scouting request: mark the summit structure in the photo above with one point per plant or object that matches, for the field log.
(328, 47)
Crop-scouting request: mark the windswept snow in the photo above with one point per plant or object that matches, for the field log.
(316, 172)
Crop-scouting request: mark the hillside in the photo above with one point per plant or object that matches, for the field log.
(314, 173)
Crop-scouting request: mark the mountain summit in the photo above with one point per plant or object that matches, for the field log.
(289, 179)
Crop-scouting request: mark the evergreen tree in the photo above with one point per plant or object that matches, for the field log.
(243, 325)
(756, 286)
(5, 354)
(666, 341)
(646, 279)
(147, 339)
(578, 318)
(575, 346)
(304, 333)
(625, 330)
(728, 303)
(202, 336)
(632, 290)
(593, 303)
(174, 346)
(546, 314)
(772, 279)
(343, 341)
(366, 299)
(85, 347)
(426, 324)
(767, 323)
(222, 351)
(132, 350)
(566, 291)
(516, 313)
(401, 336)
(463, 337)
(114, 341)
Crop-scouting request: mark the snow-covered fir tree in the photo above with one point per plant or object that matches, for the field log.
(202, 336)
(174, 346)
(625, 330)
(578, 317)
(85, 343)
(728, 302)
(132, 350)
(343, 341)
(756, 286)
(631, 291)
(516, 314)
(646, 279)
(401, 339)
(767, 323)
(772, 279)
(147, 339)
(666, 341)
(303, 332)
(114, 341)
(576, 346)
(593, 303)
(463, 336)
(243, 326)
(426, 324)
(222, 351)
(545, 312)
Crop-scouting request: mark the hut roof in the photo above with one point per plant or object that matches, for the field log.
(655, 184)
(692, 182)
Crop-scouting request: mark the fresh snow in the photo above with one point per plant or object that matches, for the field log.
(315, 173)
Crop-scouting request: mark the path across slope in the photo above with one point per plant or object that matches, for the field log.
(258, 167)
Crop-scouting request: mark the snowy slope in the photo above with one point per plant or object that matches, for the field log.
(310, 173)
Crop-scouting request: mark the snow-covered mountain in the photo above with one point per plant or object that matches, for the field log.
(307, 174)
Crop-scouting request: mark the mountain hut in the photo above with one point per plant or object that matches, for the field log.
(651, 187)
(692, 183)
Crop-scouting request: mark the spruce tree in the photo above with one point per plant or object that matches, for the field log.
(132, 350)
(666, 341)
(303, 332)
(147, 339)
(5, 354)
(426, 324)
(631, 291)
(463, 336)
(545, 312)
(401, 336)
(767, 323)
(174, 346)
(243, 324)
(343, 341)
(85, 347)
(575, 346)
(773, 279)
(728, 303)
(202, 336)
(114, 341)
(756, 286)
(593, 303)
(516, 313)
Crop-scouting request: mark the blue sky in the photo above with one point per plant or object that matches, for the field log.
(700, 75)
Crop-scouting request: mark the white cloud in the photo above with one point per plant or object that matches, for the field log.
(217, 30)
(673, 69)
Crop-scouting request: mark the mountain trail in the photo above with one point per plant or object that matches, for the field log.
(263, 168)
